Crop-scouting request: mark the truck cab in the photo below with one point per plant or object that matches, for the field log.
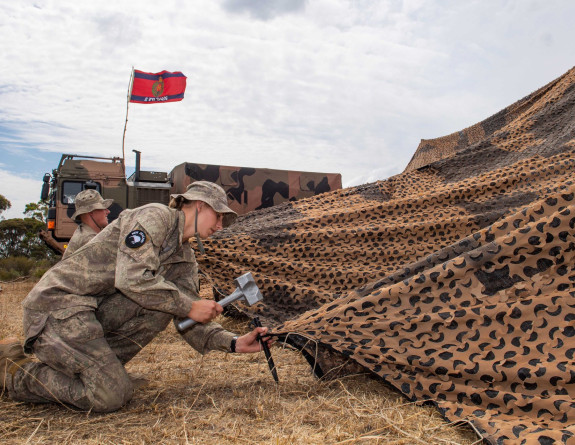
(106, 175)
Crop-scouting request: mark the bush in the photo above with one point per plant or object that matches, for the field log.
(20, 266)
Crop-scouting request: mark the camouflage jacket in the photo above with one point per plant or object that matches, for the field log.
(82, 235)
(142, 255)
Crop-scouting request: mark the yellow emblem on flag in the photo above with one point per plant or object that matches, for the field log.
(158, 87)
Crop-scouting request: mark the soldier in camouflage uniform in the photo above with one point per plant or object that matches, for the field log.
(91, 313)
(92, 214)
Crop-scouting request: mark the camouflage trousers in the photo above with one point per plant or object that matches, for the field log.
(82, 357)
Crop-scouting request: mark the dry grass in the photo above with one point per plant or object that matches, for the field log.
(226, 399)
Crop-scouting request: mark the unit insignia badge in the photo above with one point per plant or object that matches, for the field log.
(135, 238)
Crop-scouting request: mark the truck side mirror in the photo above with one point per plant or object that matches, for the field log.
(45, 187)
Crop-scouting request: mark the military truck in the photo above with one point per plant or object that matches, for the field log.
(247, 188)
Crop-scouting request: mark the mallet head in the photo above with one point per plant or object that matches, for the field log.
(249, 289)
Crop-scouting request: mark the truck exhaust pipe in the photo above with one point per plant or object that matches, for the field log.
(137, 172)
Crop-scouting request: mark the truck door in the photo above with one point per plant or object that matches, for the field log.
(65, 207)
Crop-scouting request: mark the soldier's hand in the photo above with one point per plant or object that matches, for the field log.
(205, 310)
(250, 343)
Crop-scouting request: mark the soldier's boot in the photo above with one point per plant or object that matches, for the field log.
(12, 358)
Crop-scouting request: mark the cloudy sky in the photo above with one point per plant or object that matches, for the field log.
(348, 86)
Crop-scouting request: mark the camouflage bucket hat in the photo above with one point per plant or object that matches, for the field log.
(88, 200)
(213, 195)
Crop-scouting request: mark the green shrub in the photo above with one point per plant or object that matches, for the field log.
(39, 272)
(20, 266)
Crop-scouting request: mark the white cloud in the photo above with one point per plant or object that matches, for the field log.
(349, 86)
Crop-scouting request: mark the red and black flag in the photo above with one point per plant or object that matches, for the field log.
(153, 88)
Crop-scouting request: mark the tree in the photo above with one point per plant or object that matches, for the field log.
(4, 204)
(36, 210)
(19, 237)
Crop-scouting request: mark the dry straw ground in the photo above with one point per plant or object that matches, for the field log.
(226, 399)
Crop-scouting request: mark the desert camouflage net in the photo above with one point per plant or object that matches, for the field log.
(453, 281)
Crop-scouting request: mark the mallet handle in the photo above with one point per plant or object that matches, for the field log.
(188, 322)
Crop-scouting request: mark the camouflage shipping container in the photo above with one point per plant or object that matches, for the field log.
(255, 188)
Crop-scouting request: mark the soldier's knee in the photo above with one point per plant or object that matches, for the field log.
(112, 396)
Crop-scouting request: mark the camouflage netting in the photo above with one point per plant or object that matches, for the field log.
(453, 281)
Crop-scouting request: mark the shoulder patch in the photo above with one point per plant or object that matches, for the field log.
(135, 238)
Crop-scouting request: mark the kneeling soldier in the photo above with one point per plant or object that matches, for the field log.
(94, 311)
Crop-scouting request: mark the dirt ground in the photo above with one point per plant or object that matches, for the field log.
(226, 399)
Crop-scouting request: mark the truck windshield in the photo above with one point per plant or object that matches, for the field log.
(71, 188)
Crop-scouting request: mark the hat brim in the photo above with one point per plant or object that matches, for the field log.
(102, 205)
(229, 215)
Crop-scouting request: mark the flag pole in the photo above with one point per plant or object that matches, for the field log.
(130, 86)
